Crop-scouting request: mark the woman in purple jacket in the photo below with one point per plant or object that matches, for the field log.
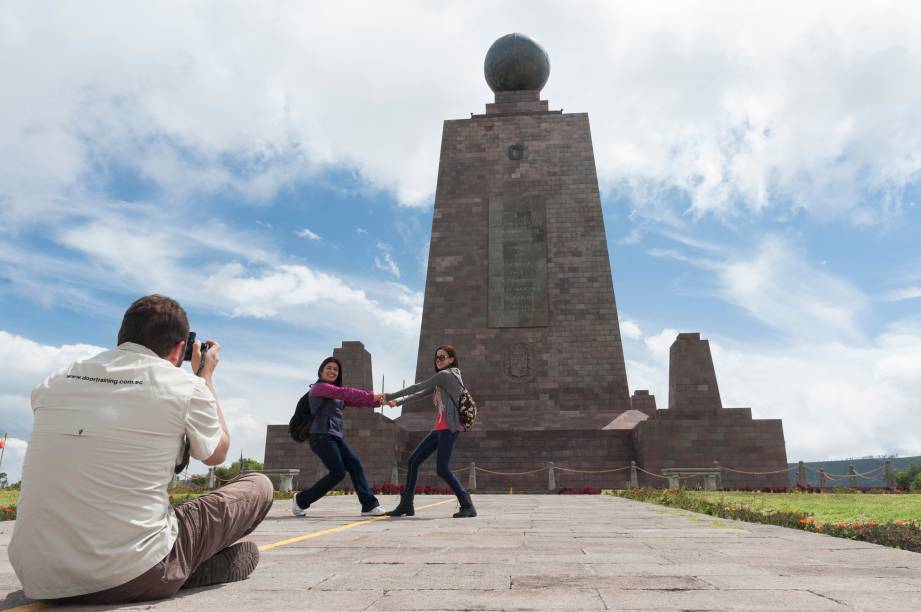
(326, 398)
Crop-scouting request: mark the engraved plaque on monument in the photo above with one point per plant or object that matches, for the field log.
(518, 261)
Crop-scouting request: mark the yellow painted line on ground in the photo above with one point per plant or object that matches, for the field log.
(323, 532)
(29, 607)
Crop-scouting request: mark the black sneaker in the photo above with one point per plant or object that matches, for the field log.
(233, 563)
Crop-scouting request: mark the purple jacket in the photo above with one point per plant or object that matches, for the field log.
(326, 402)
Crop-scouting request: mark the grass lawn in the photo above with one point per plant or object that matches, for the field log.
(827, 507)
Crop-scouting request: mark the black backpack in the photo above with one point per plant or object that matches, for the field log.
(299, 425)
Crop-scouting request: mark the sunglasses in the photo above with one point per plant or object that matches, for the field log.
(441, 357)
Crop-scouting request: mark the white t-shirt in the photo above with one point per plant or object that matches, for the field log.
(94, 511)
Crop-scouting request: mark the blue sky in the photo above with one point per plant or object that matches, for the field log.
(273, 168)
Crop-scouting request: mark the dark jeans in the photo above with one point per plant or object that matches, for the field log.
(338, 459)
(207, 525)
(443, 440)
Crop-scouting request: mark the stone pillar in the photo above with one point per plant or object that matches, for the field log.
(551, 477)
(634, 481)
(823, 479)
(673, 481)
(801, 475)
(471, 478)
(395, 475)
(710, 482)
(719, 475)
(210, 484)
(644, 402)
(852, 477)
(356, 365)
(692, 388)
(888, 479)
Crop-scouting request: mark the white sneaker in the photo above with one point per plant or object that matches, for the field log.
(375, 511)
(295, 509)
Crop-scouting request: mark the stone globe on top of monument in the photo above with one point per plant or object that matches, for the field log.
(516, 63)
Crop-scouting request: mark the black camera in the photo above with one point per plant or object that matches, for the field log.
(190, 343)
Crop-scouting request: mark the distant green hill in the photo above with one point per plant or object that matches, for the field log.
(861, 466)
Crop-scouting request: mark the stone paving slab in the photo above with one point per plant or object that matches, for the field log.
(545, 552)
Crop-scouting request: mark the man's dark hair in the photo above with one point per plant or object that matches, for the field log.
(155, 321)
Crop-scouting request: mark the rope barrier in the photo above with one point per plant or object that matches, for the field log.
(722, 467)
(651, 474)
(562, 469)
(479, 469)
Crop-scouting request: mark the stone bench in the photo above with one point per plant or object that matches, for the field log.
(711, 476)
(282, 480)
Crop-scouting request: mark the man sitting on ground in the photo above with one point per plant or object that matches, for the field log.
(95, 525)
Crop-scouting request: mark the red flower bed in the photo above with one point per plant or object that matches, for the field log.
(8, 513)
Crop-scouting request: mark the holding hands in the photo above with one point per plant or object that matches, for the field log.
(381, 398)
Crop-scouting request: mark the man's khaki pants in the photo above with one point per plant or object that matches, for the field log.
(207, 525)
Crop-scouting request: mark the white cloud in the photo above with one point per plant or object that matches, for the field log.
(361, 231)
(629, 329)
(776, 284)
(306, 233)
(741, 108)
(780, 288)
(384, 260)
(906, 293)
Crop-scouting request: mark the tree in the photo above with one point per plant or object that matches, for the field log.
(225, 474)
(909, 478)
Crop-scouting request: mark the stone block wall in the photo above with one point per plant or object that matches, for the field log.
(735, 442)
(514, 452)
(556, 361)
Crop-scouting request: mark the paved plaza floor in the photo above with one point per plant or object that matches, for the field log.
(543, 552)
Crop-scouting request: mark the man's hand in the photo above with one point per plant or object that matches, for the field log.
(205, 368)
(392, 403)
(379, 398)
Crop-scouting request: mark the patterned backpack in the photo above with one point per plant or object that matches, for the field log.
(466, 407)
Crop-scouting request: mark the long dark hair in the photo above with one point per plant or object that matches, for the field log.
(338, 381)
(447, 348)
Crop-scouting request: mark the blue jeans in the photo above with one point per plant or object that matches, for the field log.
(443, 440)
(338, 459)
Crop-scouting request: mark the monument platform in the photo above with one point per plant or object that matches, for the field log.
(544, 552)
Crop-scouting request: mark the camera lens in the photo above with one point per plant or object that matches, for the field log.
(188, 347)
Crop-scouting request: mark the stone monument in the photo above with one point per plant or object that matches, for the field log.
(519, 281)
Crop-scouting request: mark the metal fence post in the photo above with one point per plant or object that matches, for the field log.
(471, 479)
(551, 477)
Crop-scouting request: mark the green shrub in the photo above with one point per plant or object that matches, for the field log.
(909, 478)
